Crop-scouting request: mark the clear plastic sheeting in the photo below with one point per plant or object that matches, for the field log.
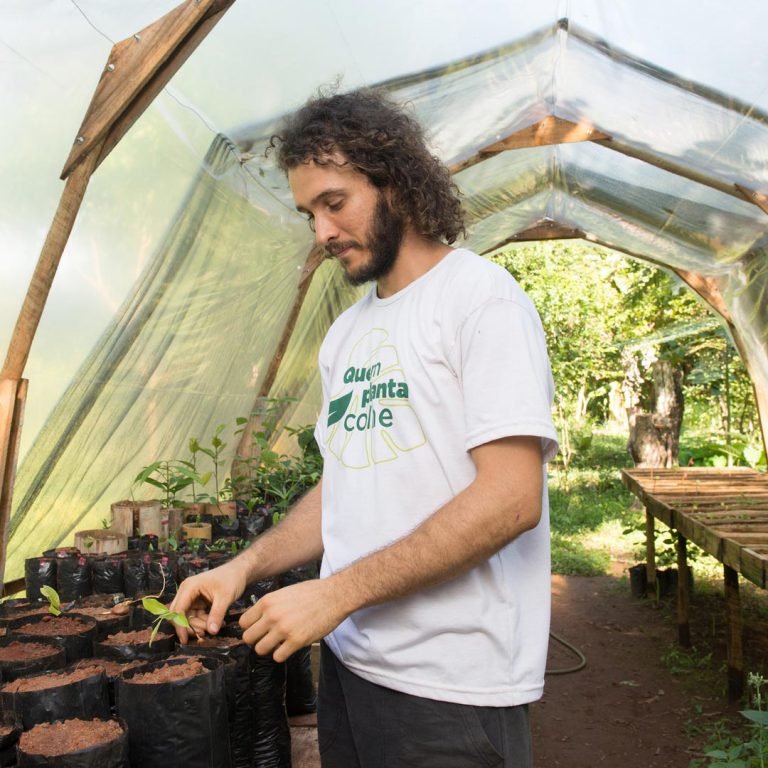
(185, 262)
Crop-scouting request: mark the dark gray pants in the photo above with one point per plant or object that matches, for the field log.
(363, 725)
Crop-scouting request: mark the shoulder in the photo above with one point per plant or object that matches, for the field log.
(474, 281)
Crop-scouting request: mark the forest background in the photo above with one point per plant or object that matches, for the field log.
(609, 320)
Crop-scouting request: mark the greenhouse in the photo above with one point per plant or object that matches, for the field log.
(190, 290)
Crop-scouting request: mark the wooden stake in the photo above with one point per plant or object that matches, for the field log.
(733, 643)
(683, 594)
(13, 396)
(314, 259)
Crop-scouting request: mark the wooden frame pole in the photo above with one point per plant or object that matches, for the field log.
(650, 551)
(734, 650)
(13, 396)
(683, 593)
(137, 70)
(314, 259)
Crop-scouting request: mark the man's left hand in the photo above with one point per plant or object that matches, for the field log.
(291, 618)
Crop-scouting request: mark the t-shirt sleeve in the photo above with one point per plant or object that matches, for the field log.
(501, 360)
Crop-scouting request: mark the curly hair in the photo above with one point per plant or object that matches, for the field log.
(381, 141)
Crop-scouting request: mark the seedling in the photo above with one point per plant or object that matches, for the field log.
(156, 608)
(52, 596)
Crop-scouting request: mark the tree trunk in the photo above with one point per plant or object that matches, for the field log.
(654, 438)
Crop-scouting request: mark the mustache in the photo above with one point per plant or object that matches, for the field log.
(335, 248)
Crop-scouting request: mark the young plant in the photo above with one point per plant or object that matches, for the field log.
(52, 596)
(214, 454)
(162, 613)
(170, 477)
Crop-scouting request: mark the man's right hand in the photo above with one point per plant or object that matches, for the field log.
(206, 597)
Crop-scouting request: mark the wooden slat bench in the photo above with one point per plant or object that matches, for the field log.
(723, 511)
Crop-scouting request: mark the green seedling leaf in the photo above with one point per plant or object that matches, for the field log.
(52, 596)
(147, 471)
(179, 619)
(155, 628)
(154, 606)
(156, 483)
(756, 716)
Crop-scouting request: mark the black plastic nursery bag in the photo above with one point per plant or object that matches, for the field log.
(187, 719)
(73, 578)
(83, 699)
(112, 754)
(39, 572)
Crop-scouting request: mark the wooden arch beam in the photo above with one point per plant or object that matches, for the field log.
(137, 69)
(555, 130)
(550, 130)
(544, 229)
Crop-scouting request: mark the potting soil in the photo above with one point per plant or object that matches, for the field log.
(75, 744)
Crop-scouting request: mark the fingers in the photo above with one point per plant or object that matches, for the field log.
(193, 599)
(217, 614)
(268, 633)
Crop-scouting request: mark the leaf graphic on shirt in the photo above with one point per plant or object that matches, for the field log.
(350, 438)
(337, 408)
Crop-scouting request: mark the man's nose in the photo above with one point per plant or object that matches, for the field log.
(325, 230)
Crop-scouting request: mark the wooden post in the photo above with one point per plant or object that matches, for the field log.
(137, 70)
(683, 593)
(734, 651)
(650, 551)
(13, 396)
(314, 259)
(24, 332)
(47, 264)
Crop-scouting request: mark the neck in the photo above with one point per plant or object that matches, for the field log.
(417, 255)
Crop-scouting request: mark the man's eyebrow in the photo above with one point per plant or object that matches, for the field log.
(319, 198)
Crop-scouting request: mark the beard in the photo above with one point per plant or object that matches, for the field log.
(383, 240)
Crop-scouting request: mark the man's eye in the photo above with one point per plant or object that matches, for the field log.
(334, 207)
(311, 222)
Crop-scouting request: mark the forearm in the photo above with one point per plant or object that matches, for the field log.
(294, 541)
(468, 530)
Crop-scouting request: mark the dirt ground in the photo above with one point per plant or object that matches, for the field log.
(625, 709)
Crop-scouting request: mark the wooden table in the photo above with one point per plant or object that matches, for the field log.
(723, 511)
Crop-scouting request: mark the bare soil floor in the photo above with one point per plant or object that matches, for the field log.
(625, 709)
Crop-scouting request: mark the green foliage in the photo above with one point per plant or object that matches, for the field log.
(162, 613)
(268, 479)
(582, 503)
(738, 749)
(170, 477)
(52, 596)
(605, 315)
(571, 558)
(712, 450)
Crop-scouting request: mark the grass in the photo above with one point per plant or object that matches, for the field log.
(590, 508)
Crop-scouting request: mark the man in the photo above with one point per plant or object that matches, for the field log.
(431, 516)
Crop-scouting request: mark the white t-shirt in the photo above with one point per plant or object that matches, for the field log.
(411, 383)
